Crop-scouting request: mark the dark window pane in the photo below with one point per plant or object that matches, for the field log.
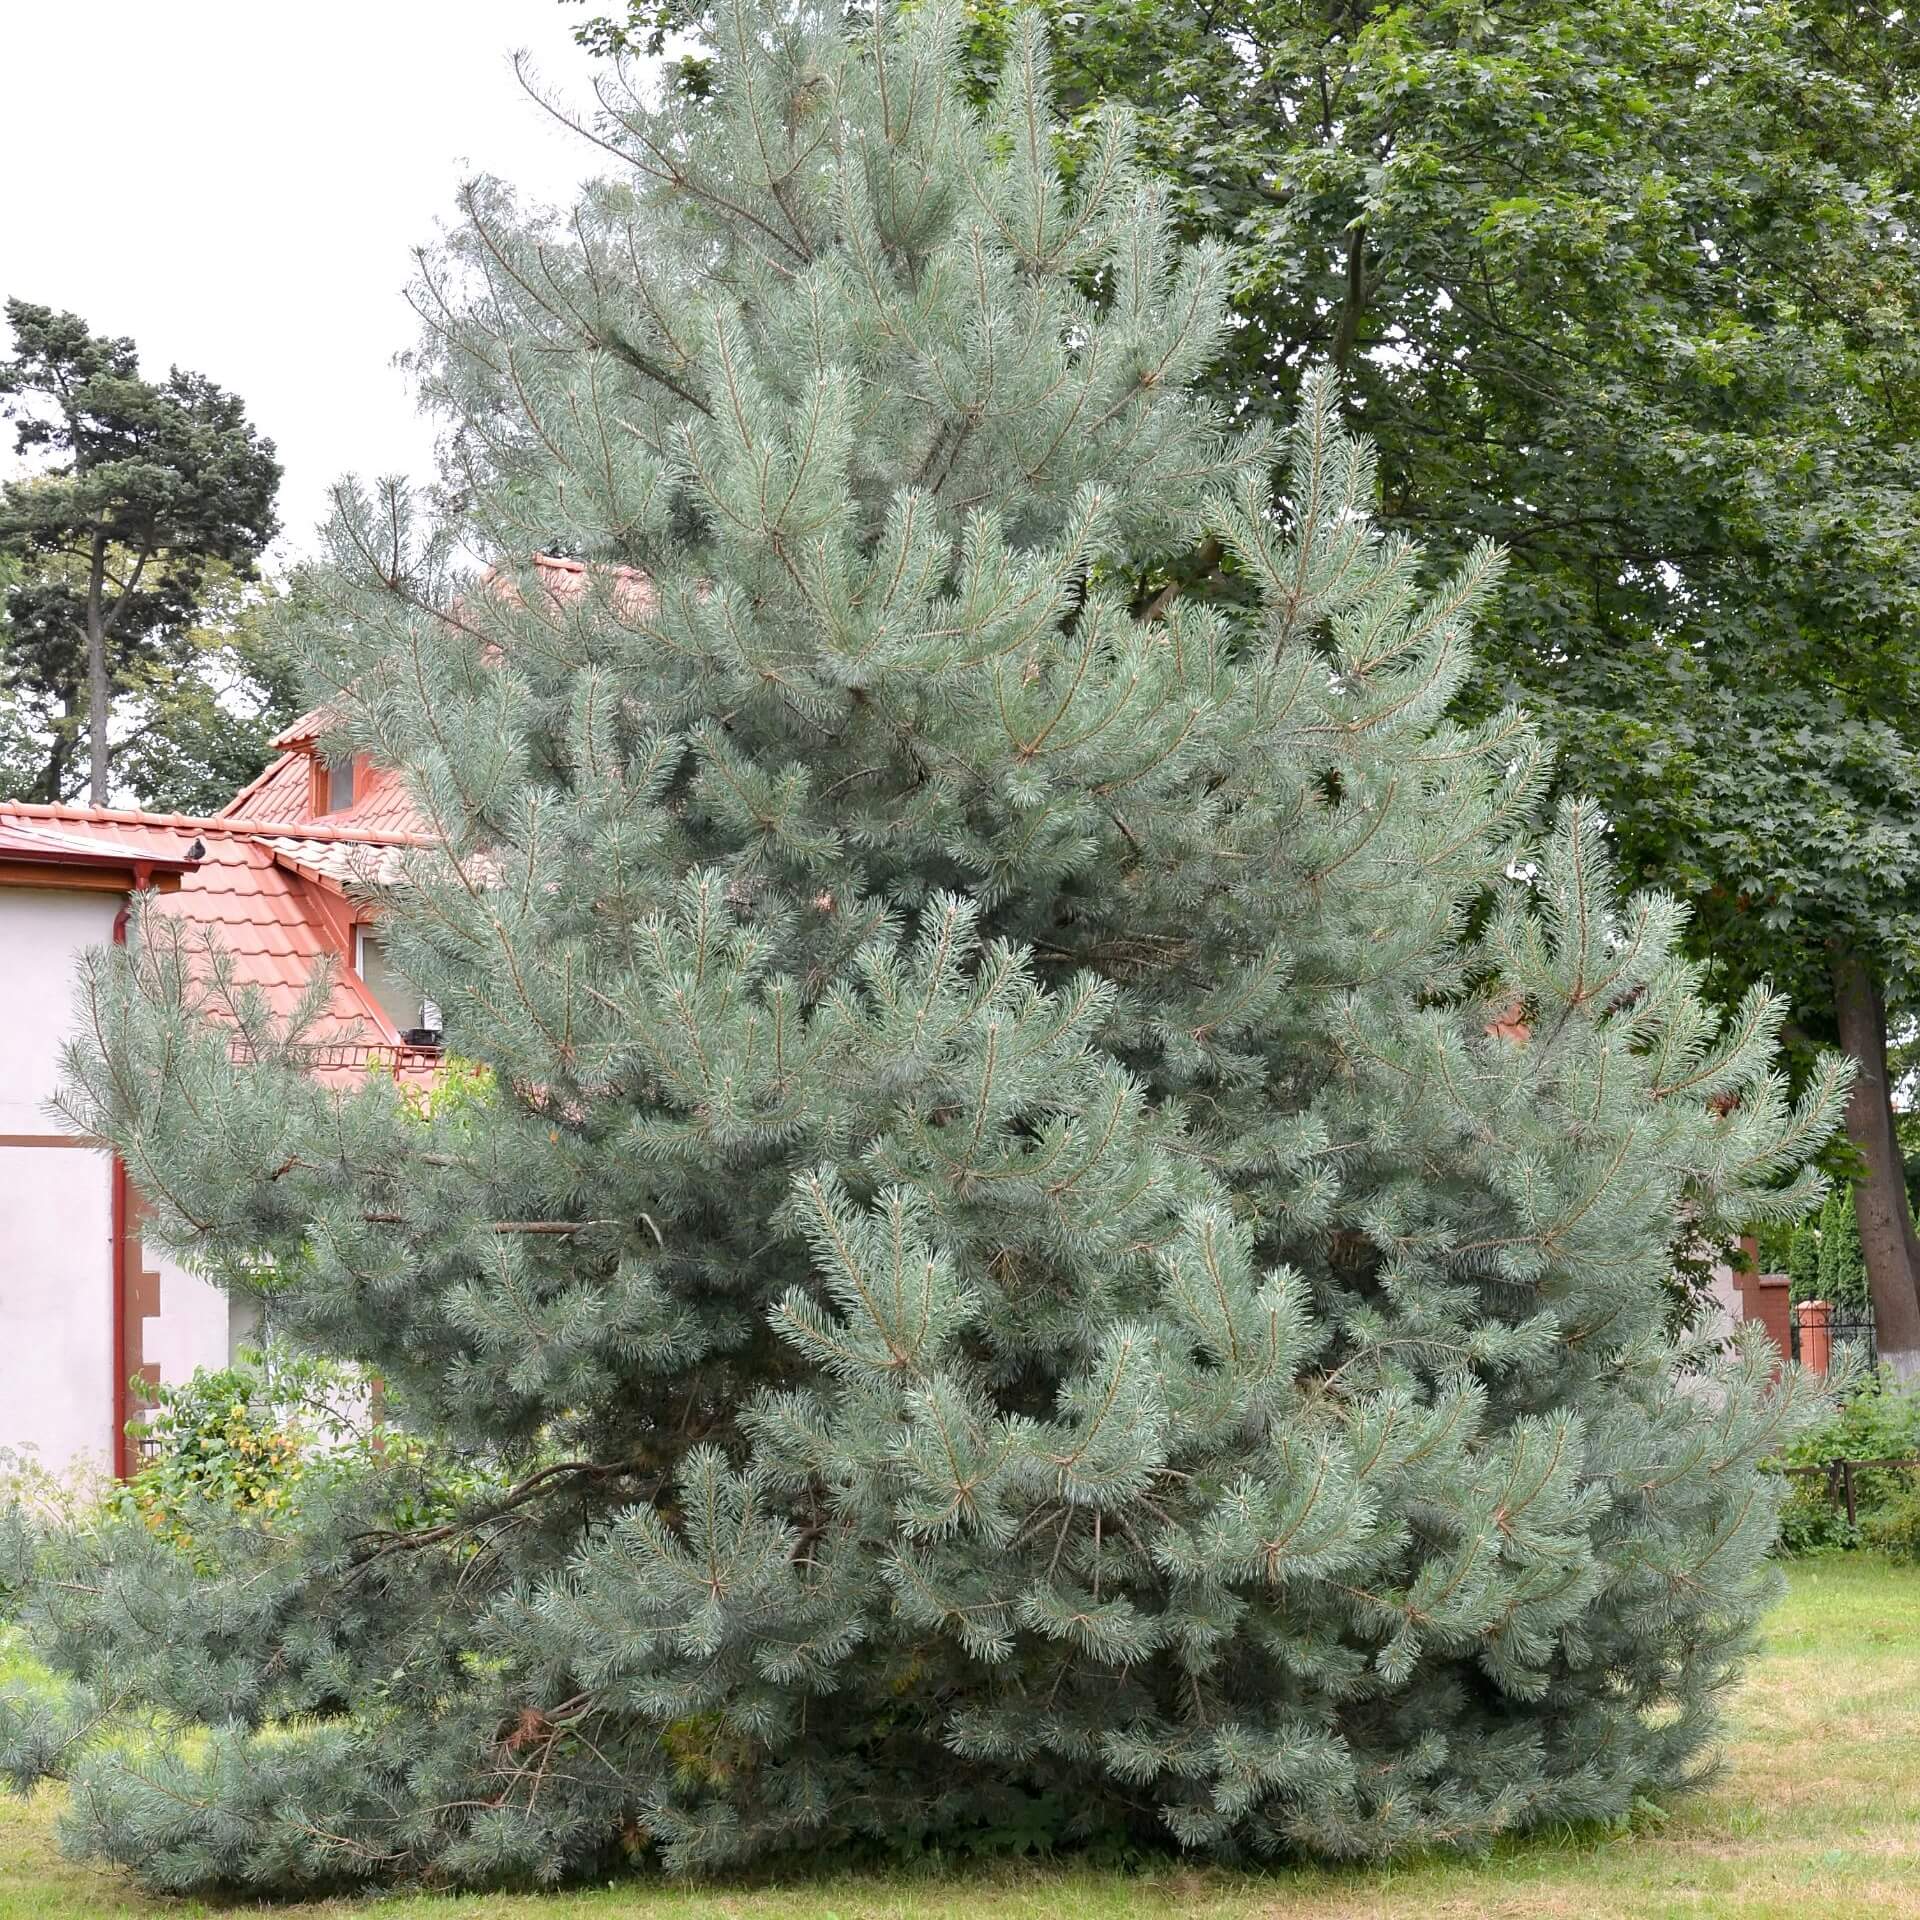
(340, 783)
(399, 998)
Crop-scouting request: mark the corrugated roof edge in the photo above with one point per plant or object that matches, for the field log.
(224, 823)
(22, 842)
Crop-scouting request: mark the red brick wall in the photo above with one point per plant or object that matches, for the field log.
(1763, 1297)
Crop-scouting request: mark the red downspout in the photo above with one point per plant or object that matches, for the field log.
(121, 1402)
(122, 1410)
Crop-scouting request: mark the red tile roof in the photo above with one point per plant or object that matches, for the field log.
(303, 731)
(275, 921)
(283, 791)
(383, 805)
(283, 797)
(339, 864)
(568, 581)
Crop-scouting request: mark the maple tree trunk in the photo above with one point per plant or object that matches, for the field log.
(1887, 1239)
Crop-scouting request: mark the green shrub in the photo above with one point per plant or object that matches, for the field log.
(34, 1494)
(239, 1440)
(249, 1441)
(1812, 1520)
(1820, 1253)
(1877, 1421)
(1803, 1260)
(1773, 1244)
(1893, 1527)
(62, 1497)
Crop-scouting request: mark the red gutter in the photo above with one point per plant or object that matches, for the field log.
(21, 853)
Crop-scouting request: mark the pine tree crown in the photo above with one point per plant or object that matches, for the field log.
(1077, 1200)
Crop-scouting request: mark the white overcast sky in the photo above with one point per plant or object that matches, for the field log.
(238, 184)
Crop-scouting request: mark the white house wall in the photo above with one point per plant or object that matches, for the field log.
(58, 1392)
(56, 1201)
(56, 1304)
(195, 1326)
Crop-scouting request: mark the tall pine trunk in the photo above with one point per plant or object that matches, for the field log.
(99, 694)
(1887, 1238)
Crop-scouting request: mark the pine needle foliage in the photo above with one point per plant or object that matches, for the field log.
(1073, 1208)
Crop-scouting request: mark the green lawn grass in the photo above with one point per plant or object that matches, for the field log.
(1818, 1815)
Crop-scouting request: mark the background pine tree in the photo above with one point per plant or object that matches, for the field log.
(1070, 1228)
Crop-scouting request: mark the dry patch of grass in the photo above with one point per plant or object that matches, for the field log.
(1818, 1813)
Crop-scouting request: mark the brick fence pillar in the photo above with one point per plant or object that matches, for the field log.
(1816, 1335)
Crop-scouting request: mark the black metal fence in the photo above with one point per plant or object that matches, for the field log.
(1849, 1329)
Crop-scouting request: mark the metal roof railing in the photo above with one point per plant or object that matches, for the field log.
(346, 1056)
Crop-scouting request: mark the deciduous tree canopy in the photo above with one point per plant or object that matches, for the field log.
(1627, 286)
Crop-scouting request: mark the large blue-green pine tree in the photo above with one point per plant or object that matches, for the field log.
(1070, 1228)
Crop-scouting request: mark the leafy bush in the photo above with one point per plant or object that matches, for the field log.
(1893, 1527)
(32, 1493)
(253, 1441)
(63, 1497)
(239, 1440)
(1878, 1421)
